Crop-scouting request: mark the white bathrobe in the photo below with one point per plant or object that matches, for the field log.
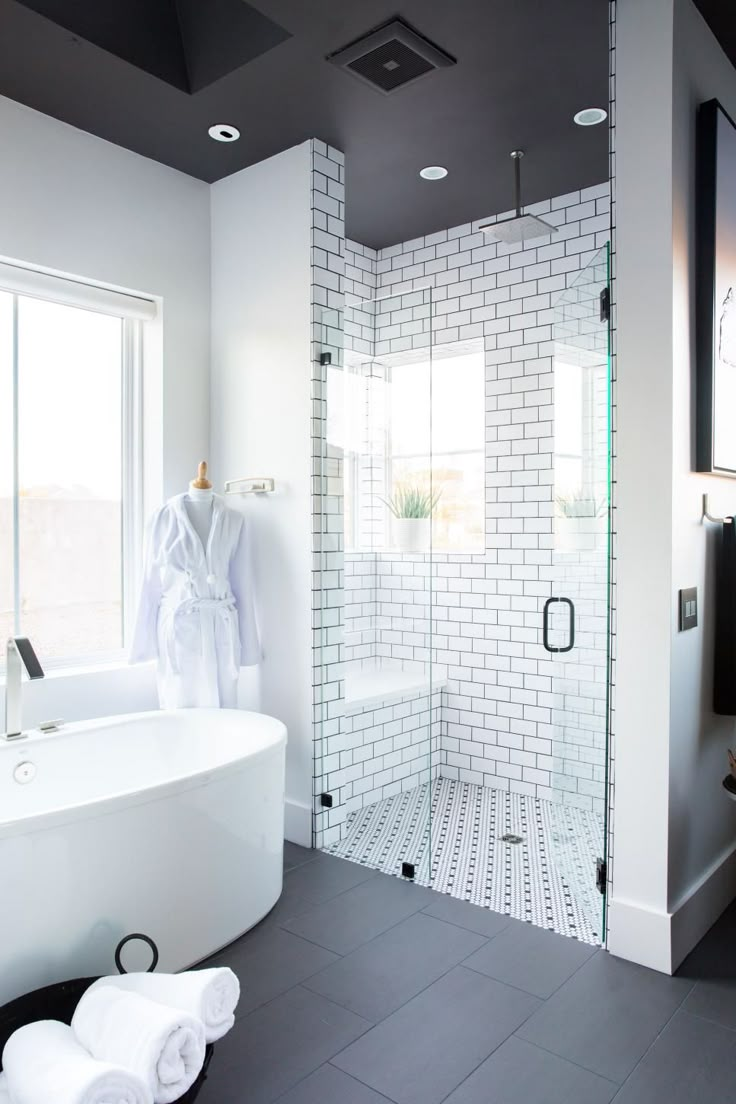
(196, 612)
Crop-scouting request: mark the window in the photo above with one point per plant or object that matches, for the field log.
(437, 439)
(570, 475)
(70, 469)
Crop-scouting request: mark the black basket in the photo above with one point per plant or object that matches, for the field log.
(58, 1002)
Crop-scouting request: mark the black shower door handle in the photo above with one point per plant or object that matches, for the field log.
(545, 625)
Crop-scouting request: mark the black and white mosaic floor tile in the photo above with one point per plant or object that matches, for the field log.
(452, 832)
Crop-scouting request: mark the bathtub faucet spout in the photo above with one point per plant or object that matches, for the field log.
(19, 654)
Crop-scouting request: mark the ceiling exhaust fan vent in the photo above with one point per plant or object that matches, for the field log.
(391, 57)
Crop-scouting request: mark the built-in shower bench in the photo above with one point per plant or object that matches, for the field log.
(370, 686)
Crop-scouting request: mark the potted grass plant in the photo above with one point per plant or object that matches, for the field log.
(577, 525)
(411, 509)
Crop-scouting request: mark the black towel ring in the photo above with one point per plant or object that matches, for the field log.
(146, 939)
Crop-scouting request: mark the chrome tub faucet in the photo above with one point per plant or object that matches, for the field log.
(19, 654)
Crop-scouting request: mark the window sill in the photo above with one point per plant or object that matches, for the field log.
(82, 668)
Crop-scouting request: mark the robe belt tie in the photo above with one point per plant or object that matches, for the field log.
(210, 610)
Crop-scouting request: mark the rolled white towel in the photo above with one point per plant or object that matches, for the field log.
(44, 1063)
(163, 1046)
(210, 995)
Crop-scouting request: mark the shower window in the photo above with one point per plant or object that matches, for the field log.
(456, 467)
(69, 473)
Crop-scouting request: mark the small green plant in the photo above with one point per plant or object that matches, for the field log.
(412, 502)
(579, 505)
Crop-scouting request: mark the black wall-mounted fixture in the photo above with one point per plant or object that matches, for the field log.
(688, 608)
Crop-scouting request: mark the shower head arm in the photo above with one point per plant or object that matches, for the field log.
(517, 156)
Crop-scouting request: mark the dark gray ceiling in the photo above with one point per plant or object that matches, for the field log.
(720, 15)
(523, 68)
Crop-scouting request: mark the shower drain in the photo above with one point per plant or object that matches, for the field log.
(510, 837)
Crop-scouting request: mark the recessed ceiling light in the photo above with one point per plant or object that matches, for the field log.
(433, 172)
(590, 116)
(222, 132)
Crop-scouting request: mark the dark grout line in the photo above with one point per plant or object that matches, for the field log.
(383, 1096)
(472, 931)
(298, 865)
(564, 1057)
(706, 1019)
(655, 1040)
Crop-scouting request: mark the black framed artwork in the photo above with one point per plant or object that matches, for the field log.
(716, 291)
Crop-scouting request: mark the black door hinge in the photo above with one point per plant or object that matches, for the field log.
(605, 301)
(325, 800)
(601, 875)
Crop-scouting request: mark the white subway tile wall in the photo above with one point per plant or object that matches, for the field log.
(501, 721)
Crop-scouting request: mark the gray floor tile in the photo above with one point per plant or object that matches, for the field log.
(712, 966)
(519, 1073)
(530, 958)
(329, 1085)
(425, 1049)
(473, 917)
(692, 1062)
(607, 1015)
(714, 1000)
(276, 1047)
(268, 961)
(324, 877)
(289, 904)
(294, 855)
(382, 975)
(360, 914)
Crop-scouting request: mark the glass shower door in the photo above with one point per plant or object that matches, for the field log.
(377, 717)
(576, 615)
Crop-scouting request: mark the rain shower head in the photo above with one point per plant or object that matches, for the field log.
(519, 227)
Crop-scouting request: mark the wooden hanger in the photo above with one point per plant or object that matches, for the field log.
(202, 483)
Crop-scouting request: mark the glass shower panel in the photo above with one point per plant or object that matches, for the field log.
(378, 723)
(576, 616)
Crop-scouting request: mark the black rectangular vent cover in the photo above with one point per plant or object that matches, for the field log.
(391, 57)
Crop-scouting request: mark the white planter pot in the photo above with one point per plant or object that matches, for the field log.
(412, 534)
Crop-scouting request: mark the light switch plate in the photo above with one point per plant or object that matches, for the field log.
(688, 608)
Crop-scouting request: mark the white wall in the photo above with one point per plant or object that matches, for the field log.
(77, 204)
(261, 424)
(643, 473)
(674, 830)
(702, 820)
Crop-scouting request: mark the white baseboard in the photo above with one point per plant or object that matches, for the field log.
(639, 935)
(701, 906)
(298, 823)
(661, 940)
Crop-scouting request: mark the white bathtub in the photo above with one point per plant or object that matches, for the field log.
(165, 823)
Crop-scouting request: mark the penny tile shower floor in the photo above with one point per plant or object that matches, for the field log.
(547, 879)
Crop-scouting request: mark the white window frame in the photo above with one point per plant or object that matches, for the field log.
(134, 311)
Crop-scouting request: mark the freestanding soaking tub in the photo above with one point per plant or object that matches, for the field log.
(167, 823)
